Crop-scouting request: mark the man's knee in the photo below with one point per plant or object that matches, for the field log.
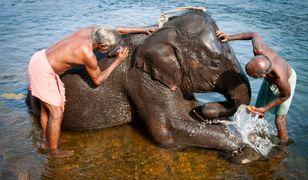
(280, 118)
(55, 112)
(57, 115)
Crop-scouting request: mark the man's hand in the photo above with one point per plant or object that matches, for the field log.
(122, 55)
(222, 36)
(259, 110)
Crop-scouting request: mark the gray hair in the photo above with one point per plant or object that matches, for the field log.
(105, 36)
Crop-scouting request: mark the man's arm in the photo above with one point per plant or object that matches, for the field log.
(145, 30)
(257, 42)
(94, 71)
(285, 92)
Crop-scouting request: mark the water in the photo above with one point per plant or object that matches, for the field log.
(125, 152)
(254, 131)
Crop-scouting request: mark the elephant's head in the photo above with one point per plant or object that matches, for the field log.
(186, 53)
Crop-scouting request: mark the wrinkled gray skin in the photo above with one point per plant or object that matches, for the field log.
(156, 83)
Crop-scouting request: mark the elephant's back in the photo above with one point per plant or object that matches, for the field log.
(88, 107)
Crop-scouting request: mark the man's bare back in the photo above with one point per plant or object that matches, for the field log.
(71, 50)
(281, 70)
(78, 49)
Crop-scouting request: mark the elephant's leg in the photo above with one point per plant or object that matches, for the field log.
(178, 130)
(191, 133)
(169, 123)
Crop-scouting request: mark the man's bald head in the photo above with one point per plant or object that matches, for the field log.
(258, 66)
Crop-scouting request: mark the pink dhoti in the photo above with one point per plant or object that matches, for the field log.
(45, 84)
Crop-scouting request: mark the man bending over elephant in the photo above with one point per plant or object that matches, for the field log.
(46, 65)
(279, 83)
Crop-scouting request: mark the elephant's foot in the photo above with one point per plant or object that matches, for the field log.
(214, 110)
(245, 155)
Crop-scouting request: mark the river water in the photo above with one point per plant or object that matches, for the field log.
(124, 152)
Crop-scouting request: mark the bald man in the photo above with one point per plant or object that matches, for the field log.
(277, 89)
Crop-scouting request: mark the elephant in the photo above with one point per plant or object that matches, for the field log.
(156, 85)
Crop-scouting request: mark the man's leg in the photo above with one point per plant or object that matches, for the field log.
(43, 122)
(280, 122)
(53, 129)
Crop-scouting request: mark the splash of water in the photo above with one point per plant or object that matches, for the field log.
(254, 131)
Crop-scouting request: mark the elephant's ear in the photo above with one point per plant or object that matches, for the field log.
(158, 57)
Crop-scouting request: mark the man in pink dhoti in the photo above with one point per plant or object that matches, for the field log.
(46, 65)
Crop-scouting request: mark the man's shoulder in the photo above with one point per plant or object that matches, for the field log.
(269, 53)
(86, 53)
